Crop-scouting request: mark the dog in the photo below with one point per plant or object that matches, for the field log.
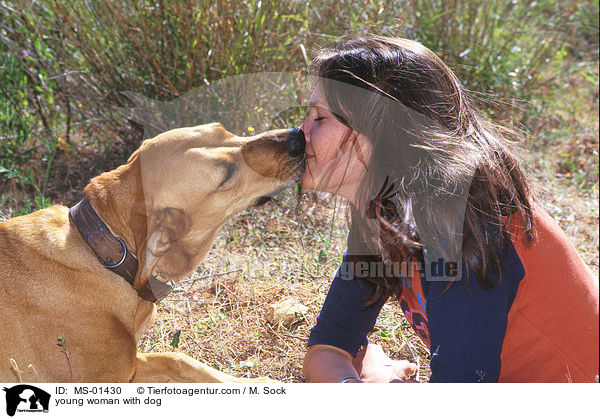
(78, 286)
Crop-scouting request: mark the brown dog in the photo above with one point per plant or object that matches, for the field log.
(67, 311)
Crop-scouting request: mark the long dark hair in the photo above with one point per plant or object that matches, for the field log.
(440, 175)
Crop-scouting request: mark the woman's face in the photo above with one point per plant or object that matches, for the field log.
(330, 165)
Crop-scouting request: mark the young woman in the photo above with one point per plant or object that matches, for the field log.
(443, 220)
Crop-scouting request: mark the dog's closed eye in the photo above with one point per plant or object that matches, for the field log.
(230, 169)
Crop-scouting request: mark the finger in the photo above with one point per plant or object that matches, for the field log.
(404, 369)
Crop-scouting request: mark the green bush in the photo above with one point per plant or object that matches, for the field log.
(15, 119)
(17, 148)
(504, 47)
(95, 50)
(159, 49)
(68, 61)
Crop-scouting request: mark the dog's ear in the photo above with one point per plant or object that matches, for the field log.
(155, 238)
(168, 225)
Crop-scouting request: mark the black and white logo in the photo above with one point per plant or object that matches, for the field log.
(26, 398)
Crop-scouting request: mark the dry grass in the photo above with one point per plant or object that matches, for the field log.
(262, 257)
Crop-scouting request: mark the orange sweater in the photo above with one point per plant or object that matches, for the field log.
(552, 331)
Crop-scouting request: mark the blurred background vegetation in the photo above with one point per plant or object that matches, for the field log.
(64, 64)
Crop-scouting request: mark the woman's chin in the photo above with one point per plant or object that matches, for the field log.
(309, 183)
(306, 181)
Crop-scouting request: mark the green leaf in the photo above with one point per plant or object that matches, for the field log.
(175, 341)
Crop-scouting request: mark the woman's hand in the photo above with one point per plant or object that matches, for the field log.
(374, 366)
(328, 364)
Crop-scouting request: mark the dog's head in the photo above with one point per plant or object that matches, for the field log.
(179, 188)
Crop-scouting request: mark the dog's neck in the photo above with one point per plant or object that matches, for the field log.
(119, 188)
(100, 212)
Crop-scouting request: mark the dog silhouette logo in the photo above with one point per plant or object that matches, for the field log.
(26, 398)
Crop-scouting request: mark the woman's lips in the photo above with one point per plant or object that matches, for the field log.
(309, 156)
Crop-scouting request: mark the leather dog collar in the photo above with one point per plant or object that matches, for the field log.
(112, 251)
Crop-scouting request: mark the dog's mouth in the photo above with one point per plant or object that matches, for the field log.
(298, 171)
(259, 202)
(262, 200)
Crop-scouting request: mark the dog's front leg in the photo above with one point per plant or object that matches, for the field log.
(179, 368)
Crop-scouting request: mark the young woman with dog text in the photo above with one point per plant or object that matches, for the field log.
(443, 220)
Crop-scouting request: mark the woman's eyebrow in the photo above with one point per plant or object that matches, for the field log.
(316, 104)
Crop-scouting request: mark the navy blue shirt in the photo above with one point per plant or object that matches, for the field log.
(466, 324)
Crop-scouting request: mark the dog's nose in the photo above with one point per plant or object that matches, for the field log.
(296, 142)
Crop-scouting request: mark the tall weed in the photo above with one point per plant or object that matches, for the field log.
(78, 56)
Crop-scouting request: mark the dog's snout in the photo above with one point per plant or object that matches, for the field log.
(296, 142)
(277, 154)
